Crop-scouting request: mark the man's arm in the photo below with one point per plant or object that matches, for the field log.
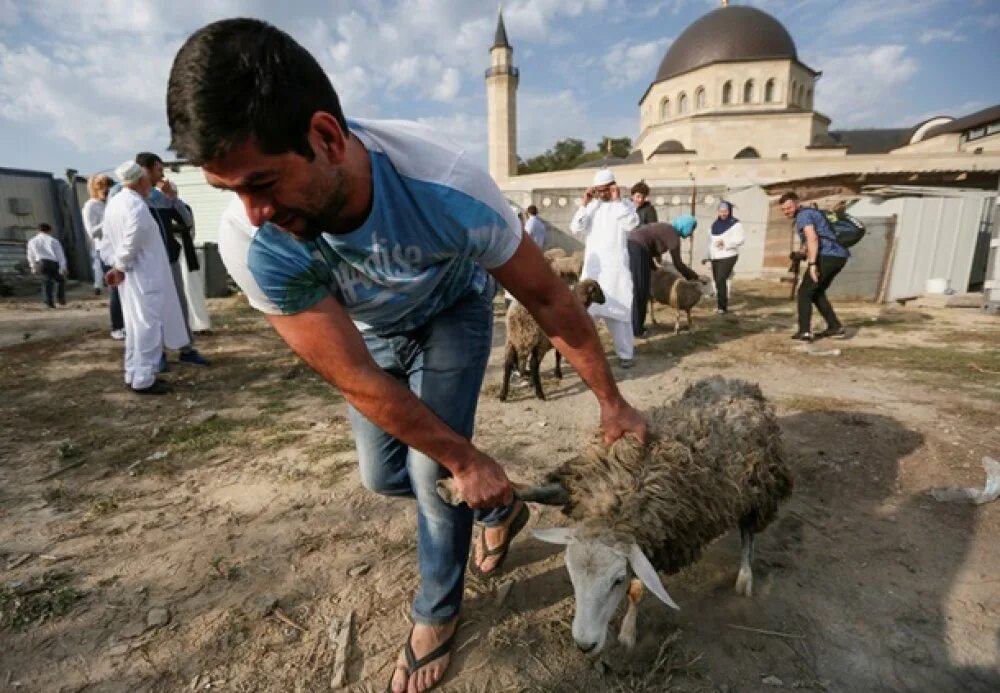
(686, 272)
(326, 339)
(563, 318)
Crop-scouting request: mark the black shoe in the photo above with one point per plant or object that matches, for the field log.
(803, 336)
(97, 292)
(833, 333)
(157, 388)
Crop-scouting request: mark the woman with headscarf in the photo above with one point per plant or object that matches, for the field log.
(723, 250)
(93, 221)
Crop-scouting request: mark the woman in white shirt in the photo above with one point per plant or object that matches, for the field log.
(723, 250)
(93, 221)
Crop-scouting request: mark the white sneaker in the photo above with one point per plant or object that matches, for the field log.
(118, 334)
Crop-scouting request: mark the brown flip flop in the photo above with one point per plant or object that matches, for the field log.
(516, 525)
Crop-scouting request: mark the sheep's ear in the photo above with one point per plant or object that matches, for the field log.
(645, 571)
(555, 535)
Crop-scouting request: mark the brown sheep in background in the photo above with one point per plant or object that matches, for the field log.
(678, 293)
(527, 344)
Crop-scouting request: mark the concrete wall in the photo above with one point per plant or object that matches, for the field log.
(861, 278)
(206, 202)
(38, 189)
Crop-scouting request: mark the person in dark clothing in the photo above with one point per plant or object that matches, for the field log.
(825, 258)
(649, 242)
(646, 211)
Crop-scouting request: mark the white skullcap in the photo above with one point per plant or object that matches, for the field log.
(129, 172)
(604, 176)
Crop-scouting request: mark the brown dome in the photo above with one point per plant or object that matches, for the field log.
(728, 34)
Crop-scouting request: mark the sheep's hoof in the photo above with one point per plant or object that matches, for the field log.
(744, 583)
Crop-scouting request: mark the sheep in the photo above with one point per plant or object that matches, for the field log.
(714, 462)
(680, 294)
(569, 267)
(527, 344)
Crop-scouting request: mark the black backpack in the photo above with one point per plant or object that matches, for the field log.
(848, 230)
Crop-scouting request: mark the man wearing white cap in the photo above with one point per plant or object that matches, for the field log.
(140, 269)
(605, 220)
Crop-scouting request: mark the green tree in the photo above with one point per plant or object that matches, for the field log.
(571, 152)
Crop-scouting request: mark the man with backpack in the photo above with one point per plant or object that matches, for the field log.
(825, 258)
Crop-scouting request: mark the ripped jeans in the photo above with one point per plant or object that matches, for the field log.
(442, 363)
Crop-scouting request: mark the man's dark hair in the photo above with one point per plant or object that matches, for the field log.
(45, 227)
(147, 159)
(532, 210)
(640, 188)
(242, 79)
(790, 195)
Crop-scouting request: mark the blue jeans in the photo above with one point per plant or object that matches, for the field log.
(442, 363)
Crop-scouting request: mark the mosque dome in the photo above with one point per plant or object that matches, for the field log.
(728, 34)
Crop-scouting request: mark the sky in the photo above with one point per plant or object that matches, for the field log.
(82, 85)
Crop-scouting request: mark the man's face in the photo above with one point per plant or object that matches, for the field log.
(789, 207)
(300, 196)
(603, 192)
(154, 173)
(638, 198)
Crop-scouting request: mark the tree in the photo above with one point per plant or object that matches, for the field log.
(571, 152)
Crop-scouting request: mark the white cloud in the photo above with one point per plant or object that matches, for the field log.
(544, 118)
(851, 16)
(931, 35)
(628, 62)
(857, 85)
(9, 15)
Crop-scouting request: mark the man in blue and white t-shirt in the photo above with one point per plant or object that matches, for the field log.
(372, 247)
(825, 258)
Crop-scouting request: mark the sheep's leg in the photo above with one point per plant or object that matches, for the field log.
(652, 309)
(536, 377)
(558, 364)
(627, 634)
(744, 580)
(677, 320)
(508, 368)
(690, 324)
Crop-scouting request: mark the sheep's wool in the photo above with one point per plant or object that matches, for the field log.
(715, 459)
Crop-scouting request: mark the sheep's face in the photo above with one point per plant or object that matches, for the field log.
(600, 577)
(707, 287)
(600, 570)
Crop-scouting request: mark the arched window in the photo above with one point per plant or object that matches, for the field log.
(664, 109)
(727, 93)
(791, 92)
(809, 98)
(682, 103)
(748, 94)
(699, 98)
(747, 153)
(801, 98)
(769, 91)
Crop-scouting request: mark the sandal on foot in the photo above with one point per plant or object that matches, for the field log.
(515, 526)
(413, 664)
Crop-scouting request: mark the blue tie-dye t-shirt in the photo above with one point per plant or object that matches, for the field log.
(436, 222)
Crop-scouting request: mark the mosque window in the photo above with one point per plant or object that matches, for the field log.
(809, 98)
(727, 93)
(801, 98)
(664, 109)
(682, 103)
(769, 91)
(748, 91)
(747, 153)
(699, 98)
(792, 92)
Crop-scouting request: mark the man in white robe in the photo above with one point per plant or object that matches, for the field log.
(141, 270)
(605, 220)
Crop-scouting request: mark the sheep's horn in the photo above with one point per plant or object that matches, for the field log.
(548, 494)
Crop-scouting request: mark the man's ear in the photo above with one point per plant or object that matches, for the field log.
(327, 137)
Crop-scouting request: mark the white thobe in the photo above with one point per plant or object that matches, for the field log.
(152, 312)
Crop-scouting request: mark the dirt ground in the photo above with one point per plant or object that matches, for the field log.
(142, 539)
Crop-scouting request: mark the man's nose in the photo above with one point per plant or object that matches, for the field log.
(259, 210)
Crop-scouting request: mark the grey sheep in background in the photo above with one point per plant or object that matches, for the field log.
(527, 344)
(569, 267)
(678, 293)
(715, 462)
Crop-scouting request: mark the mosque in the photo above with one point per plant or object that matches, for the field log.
(730, 114)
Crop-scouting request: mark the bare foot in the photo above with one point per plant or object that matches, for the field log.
(423, 640)
(495, 536)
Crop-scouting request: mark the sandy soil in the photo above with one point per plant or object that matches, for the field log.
(141, 538)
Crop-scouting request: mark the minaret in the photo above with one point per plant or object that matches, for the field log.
(501, 106)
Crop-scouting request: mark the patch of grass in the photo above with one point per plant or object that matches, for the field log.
(322, 451)
(36, 601)
(281, 440)
(101, 507)
(966, 365)
(896, 322)
(216, 432)
(809, 403)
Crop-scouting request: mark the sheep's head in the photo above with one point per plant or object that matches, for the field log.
(600, 568)
(589, 291)
(707, 286)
